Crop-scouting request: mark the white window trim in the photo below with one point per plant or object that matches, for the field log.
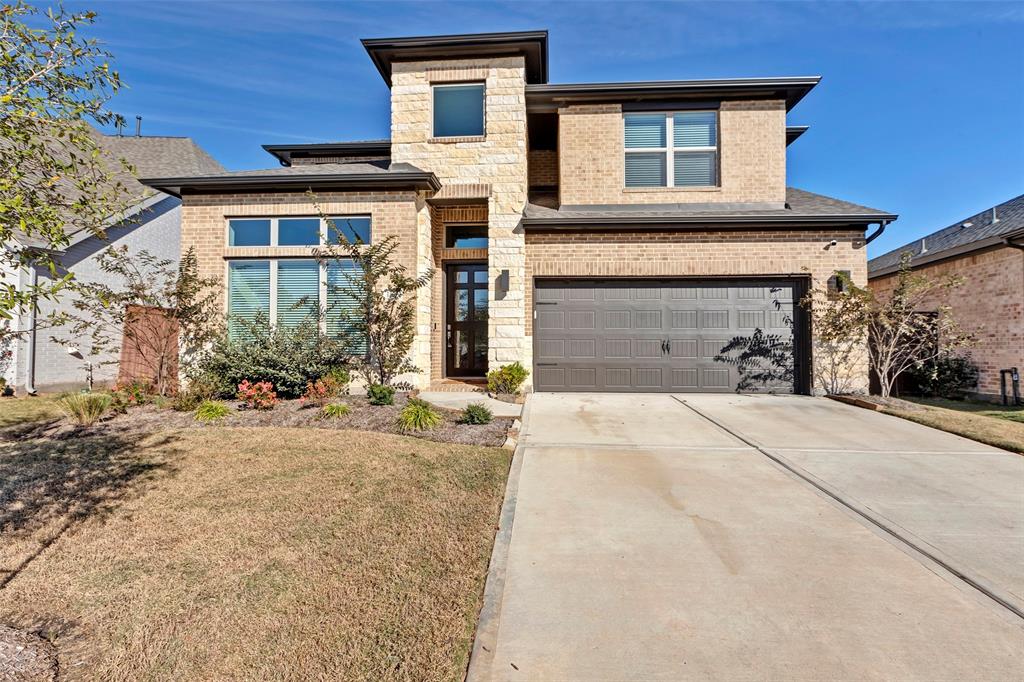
(274, 236)
(483, 108)
(670, 149)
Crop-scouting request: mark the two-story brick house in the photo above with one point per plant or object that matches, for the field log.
(609, 236)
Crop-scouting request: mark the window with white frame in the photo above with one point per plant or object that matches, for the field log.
(287, 291)
(671, 149)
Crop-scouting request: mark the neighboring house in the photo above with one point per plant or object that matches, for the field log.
(987, 250)
(153, 224)
(609, 236)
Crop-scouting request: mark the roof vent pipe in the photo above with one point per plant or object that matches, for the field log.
(995, 218)
(138, 126)
(924, 247)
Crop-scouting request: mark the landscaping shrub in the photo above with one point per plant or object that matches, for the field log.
(198, 389)
(85, 409)
(131, 394)
(211, 411)
(948, 376)
(507, 379)
(418, 415)
(287, 357)
(379, 394)
(321, 391)
(341, 376)
(335, 410)
(476, 413)
(257, 395)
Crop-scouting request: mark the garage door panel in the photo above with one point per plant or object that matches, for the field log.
(667, 335)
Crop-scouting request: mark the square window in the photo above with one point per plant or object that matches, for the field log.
(249, 232)
(298, 232)
(466, 237)
(671, 149)
(353, 230)
(695, 169)
(459, 110)
(645, 170)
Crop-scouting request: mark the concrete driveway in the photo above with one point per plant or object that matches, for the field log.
(652, 541)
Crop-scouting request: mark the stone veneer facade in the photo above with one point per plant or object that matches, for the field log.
(990, 303)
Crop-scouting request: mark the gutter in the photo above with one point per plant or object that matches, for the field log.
(738, 221)
(421, 180)
(30, 368)
(877, 233)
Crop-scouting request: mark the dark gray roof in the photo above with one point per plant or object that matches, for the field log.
(162, 155)
(380, 174)
(800, 207)
(958, 238)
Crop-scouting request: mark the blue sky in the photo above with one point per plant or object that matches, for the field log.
(920, 110)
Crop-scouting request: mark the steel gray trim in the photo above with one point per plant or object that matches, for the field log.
(298, 182)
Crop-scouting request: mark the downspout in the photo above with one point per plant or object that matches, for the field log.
(877, 234)
(30, 368)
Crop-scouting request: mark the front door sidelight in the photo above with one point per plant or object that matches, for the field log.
(466, 326)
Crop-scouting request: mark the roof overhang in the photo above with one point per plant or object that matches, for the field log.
(736, 222)
(549, 96)
(532, 45)
(932, 257)
(794, 132)
(406, 180)
(285, 152)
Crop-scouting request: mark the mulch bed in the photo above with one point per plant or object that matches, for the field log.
(26, 657)
(288, 413)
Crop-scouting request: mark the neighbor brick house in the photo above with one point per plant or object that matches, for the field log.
(987, 251)
(610, 236)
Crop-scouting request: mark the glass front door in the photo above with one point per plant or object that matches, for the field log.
(466, 329)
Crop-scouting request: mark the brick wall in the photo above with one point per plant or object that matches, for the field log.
(752, 143)
(990, 304)
(543, 167)
(694, 254)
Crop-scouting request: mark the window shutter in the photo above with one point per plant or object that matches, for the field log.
(342, 288)
(645, 131)
(695, 169)
(248, 293)
(645, 169)
(695, 129)
(298, 292)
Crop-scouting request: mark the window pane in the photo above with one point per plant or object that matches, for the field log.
(645, 170)
(353, 230)
(248, 294)
(695, 169)
(466, 237)
(695, 129)
(645, 130)
(480, 277)
(480, 304)
(298, 292)
(248, 233)
(343, 288)
(459, 110)
(298, 232)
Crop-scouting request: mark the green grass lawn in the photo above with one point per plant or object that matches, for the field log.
(988, 423)
(14, 411)
(235, 553)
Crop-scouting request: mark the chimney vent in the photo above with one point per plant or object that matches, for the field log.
(138, 126)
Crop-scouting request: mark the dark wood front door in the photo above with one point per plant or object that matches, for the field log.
(466, 330)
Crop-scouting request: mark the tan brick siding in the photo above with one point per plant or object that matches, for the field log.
(752, 143)
(694, 254)
(990, 304)
(543, 167)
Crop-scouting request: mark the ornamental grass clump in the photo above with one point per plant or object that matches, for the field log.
(476, 413)
(211, 411)
(418, 415)
(335, 410)
(257, 396)
(85, 409)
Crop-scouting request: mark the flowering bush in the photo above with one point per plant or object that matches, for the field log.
(257, 396)
(133, 393)
(321, 391)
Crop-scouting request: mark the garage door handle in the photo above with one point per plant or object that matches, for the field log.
(665, 345)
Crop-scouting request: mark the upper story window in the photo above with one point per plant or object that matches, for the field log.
(673, 149)
(298, 231)
(459, 110)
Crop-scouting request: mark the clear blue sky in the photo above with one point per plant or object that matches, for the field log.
(920, 110)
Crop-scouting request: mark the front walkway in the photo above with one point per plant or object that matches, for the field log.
(651, 544)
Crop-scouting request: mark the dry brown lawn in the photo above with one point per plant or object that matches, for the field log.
(14, 411)
(249, 553)
(995, 425)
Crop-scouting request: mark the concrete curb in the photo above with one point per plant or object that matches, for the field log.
(898, 532)
(482, 654)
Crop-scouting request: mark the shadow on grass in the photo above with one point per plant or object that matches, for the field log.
(48, 486)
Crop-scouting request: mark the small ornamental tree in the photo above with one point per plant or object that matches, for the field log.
(162, 313)
(373, 299)
(840, 322)
(54, 177)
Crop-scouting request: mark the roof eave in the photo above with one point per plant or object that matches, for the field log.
(735, 221)
(793, 133)
(403, 180)
(283, 152)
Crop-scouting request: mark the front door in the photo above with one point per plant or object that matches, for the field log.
(466, 332)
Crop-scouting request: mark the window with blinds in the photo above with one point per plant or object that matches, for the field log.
(671, 149)
(342, 304)
(298, 292)
(248, 294)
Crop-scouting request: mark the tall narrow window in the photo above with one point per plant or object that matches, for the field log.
(342, 304)
(248, 294)
(298, 292)
(459, 110)
(677, 149)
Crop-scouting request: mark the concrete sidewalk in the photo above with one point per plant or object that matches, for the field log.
(650, 544)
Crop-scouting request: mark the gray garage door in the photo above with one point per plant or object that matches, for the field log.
(667, 335)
